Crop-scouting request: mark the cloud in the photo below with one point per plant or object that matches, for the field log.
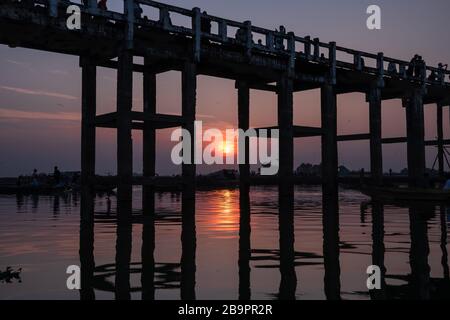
(39, 93)
(32, 115)
(18, 63)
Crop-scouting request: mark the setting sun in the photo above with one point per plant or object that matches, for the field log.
(227, 147)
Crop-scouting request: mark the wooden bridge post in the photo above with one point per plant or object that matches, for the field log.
(196, 28)
(416, 137)
(88, 107)
(149, 140)
(188, 233)
(124, 137)
(376, 148)
(329, 140)
(440, 138)
(244, 124)
(286, 127)
(189, 87)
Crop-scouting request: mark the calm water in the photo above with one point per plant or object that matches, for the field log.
(41, 235)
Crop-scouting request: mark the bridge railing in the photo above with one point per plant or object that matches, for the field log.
(253, 38)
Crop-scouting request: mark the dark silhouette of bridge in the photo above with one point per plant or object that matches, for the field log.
(282, 63)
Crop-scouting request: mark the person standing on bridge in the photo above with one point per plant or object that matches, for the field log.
(102, 5)
(412, 66)
(205, 25)
(137, 10)
(420, 67)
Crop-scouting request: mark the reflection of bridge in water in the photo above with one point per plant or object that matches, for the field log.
(417, 284)
(282, 63)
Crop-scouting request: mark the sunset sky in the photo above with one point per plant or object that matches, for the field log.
(40, 92)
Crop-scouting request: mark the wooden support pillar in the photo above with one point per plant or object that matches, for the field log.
(244, 124)
(416, 138)
(188, 233)
(123, 260)
(286, 127)
(88, 107)
(376, 148)
(440, 139)
(149, 141)
(124, 138)
(329, 140)
(189, 88)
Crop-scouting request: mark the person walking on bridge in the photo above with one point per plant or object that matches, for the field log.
(102, 5)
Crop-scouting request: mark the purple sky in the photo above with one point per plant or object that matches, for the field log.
(40, 92)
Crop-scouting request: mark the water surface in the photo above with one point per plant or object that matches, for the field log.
(270, 258)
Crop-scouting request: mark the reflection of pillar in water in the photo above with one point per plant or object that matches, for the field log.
(418, 256)
(123, 258)
(244, 245)
(444, 259)
(148, 259)
(87, 262)
(330, 221)
(288, 283)
(188, 244)
(378, 248)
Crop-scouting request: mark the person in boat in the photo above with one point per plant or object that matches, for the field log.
(34, 179)
(19, 181)
(57, 176)
(102, 5)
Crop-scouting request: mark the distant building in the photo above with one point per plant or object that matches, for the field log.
(343, 171)
(309, 170)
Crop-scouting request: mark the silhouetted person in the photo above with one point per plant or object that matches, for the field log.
(102, 5)
(241, 35)
(57, 175)
(441, 71)
(432, 76)
(34, 178)
(392, 69)
(75, 178)
(279, 40)
(205, 23)
(419, 67)
(19, 181)
(412, 66)
(137, 10)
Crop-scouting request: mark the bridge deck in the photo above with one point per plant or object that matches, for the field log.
(309, 62)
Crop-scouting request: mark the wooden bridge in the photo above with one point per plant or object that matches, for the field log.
(256, 58)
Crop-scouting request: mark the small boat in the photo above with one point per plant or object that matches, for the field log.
(407, 194)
